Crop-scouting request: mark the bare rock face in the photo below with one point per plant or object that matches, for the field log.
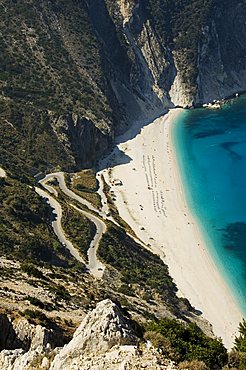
(17, 359)
(19, 333)
(135, 64)
(8, 358)
(222, 54)
(105, 340)
(23, 343)
(126, 8)
(31, 336)
(100, 330)
(123, 358)
(8, 338)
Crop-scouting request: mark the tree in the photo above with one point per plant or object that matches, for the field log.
(240, 342)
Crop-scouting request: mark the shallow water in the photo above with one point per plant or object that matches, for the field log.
(211, 151)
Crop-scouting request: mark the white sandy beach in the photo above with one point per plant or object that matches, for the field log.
(151, 201)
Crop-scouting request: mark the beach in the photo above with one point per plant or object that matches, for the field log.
(143, 173)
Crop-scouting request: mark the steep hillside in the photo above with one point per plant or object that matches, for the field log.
(75, 73)
(222, 52)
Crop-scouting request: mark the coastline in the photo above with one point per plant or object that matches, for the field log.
(151, 200)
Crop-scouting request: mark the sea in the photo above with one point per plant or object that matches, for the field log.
(211, 152)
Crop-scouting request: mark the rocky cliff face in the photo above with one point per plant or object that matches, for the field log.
(20, 333)
(23, 343)
(105, 340)
(109, 63)
(222, 54)
(190, 62)
(82, 140)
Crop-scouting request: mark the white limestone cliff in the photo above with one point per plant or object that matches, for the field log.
(105, 340)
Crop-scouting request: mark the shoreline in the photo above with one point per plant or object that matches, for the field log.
(151, 199)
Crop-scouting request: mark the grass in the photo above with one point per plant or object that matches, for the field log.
(93, 198)
(85, 184)
(85, 181)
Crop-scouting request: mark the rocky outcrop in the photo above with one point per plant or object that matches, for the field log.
(126, 9)
(8, 338)
(23, 343)
(82, 140)
(95, 141)
(20, 333)
(222, 54)
(105, 340)
(154, 72)
(124, 358)
(102, 329)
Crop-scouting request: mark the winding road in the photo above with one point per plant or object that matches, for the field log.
(56, 223)
(95, 267)
(59, 176)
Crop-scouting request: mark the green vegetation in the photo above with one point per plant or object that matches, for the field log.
(138, 267)
(36, 302)
(85, 184)
(36, 316)
(34, 58)
(27, 142)
(126, 289)
(178, 25)
(25, 233)
(79, 229)
(60, 291)
(237, 358)
(41, 98)
(85, 181)
(31, 270)
(38, 90)
(240, 342)
(186, 342)
(54, 68)
(193, 365)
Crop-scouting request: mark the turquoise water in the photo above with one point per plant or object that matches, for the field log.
(211, 151)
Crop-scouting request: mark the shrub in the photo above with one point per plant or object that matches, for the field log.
(126, 289)
(35, 315)
(188, 343)
(240, 342)
(60, 292)
(31, 270)
(193, 365)
(237, 357)
(36, 302)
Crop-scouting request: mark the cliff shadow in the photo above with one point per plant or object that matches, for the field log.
(116, 156)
